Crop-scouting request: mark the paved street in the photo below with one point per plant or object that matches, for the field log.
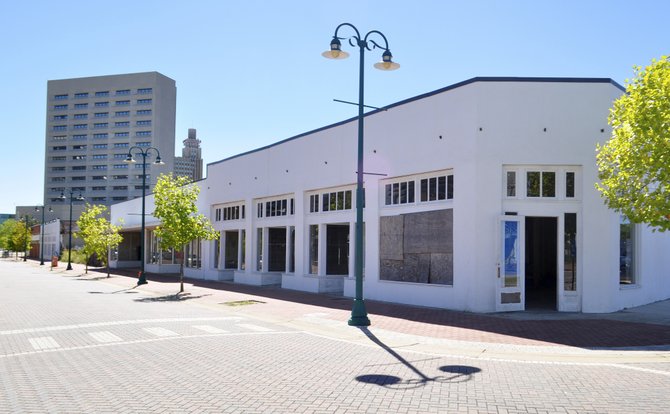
(71, 342)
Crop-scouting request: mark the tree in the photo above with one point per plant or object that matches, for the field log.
(634, 165)
(6, 229)
(174, 199)
(15, 236)
(98, 234)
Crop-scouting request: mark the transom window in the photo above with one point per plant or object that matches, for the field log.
(275, 208)
(540, 182)
(331, 201)
(235, 212)
(436, 188)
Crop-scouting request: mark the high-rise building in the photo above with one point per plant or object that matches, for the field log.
(91, 125)
(190, 162)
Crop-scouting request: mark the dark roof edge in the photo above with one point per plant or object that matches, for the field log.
(428, 94)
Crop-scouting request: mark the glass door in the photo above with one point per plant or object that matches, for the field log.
(511, 264)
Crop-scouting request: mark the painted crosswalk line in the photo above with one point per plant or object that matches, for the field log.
(210, 329)
(162, 332)
(105, 337)
(43, 342)
(254, 328)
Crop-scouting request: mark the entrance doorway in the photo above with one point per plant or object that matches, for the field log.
(277, 249)
(541, 279)
(337, 249)
(231, 249)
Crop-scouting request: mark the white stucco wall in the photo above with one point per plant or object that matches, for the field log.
(475, 131)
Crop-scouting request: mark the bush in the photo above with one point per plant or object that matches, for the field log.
(77, 256)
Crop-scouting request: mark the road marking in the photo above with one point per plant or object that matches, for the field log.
(145, 341)
(44, 342)
(116, 323)
(210, 329)
(161, 332)
(105, 337)
(254, 328)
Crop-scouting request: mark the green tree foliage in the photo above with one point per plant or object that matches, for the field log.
(15, 236)
(98, 234)
(634, 165)
(175, 200)
(6, 229)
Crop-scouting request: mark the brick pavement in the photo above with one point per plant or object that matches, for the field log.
(166, 361)
(572, 330)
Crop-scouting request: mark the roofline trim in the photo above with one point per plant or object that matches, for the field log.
(429, 94)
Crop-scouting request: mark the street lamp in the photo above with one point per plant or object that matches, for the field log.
(69, 250)
(42, 233)
(359, 316)
(142, 280)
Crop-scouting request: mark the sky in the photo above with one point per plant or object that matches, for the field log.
(250, 72)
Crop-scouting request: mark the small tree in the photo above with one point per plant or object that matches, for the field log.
(19, 237)
(634, 165)
(6, 230)
(98, 234)
(175, 200)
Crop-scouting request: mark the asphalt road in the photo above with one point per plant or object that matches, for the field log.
(72, 343)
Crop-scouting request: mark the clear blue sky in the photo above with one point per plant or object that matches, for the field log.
(250, 73)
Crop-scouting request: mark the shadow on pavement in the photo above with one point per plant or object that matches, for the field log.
(177, 297)
(458, 373)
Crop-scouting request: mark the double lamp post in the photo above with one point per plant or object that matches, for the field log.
(43, 208)
(142, 280)
(359, 316)
(69, 245)
(144, 153)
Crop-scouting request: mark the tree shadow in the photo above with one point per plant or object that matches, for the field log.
(127, 291)
(177, 297)
(93, 278)
(456, 373)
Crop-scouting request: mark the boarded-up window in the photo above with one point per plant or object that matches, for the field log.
(417, 247)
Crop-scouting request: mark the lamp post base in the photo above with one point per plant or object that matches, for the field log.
(142, 280)
(69, 267)
(359, 316)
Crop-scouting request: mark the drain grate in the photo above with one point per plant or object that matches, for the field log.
(242, 302)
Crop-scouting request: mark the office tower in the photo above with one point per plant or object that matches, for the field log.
(92, 123)
(190, 162)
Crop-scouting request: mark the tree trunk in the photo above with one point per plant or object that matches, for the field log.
(181, 274)
(87, 259)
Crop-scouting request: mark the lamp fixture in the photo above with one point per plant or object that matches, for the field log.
(387, 62)
(335, 51)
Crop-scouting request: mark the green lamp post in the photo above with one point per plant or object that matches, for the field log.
(359, 315)
(142, 280)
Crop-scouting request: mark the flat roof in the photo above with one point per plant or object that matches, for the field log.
(428, 94)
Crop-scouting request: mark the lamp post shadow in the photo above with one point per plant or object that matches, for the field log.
(457, 373)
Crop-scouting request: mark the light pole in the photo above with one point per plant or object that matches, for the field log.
(142, 280)
(359, 315)
(42, 233)
(69, 250)
(28, 229)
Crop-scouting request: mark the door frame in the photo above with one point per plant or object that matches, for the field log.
(504, 265)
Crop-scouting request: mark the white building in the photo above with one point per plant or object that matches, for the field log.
(479, 196)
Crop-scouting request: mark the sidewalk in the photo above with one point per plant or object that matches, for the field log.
(636, 334)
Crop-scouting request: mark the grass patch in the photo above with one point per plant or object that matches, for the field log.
(242, 302)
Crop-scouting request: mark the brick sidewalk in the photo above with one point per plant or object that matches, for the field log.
(574, 330)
